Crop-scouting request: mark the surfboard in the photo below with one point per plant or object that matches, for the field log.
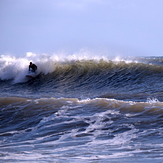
(31, 75)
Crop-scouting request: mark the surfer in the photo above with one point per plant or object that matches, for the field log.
(32, 66)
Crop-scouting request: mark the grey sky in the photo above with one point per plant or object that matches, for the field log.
(134, 27)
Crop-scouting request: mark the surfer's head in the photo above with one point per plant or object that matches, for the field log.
(30, 63)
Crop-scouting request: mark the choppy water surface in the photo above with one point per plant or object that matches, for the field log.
(82, 110)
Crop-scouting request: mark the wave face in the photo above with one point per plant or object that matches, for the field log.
(81, 109)
(134, 78)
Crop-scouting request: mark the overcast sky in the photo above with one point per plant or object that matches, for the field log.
(134, 27)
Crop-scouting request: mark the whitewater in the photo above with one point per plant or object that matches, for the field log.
(81, 108)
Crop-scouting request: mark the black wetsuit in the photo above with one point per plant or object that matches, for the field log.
(33, 67)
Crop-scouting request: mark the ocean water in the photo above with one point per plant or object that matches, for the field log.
(81, 109)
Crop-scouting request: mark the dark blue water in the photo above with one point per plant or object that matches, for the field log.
(82, 110)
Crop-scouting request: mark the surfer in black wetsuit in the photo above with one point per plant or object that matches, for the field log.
(33, 67)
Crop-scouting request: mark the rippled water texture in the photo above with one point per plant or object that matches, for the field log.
(82, 111)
